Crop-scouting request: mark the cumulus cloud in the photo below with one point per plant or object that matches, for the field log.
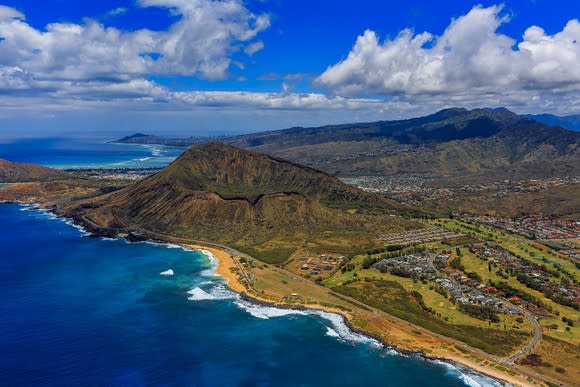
(469, 59)
(200, 43)
(91, 67)
(7, 13)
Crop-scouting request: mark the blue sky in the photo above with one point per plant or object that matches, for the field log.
(202, 66)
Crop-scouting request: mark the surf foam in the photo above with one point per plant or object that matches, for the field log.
(198, 294)
(342, 331)
(266, 312)
(467, 376)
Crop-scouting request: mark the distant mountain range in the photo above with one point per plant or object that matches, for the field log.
(453, 145)
(140, 138)
(567, 122)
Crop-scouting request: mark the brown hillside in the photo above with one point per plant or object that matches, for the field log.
(224, 194)
(18, 172)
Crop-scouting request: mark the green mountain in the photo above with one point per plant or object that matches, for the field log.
(456, 145)
(255, 202)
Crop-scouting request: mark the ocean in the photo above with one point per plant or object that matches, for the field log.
(78, 310)
(86, 153)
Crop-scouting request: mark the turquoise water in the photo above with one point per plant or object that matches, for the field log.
(79, 311)
(77, 153)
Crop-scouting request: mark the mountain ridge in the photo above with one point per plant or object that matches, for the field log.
(13, 172)
(248, 200)
(479, 144)
(571, 122)
(454, 145)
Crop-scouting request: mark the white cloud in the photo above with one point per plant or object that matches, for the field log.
(92, 68)
(7, 13)
(117, 11)
(469, 59)
(254, 48)
(200, 43)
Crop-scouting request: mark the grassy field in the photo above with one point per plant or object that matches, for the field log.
(475, 264)
(559, 360)
(277, 285)
(447, 310)
(518, 245)
(277, 247)
(392, 298)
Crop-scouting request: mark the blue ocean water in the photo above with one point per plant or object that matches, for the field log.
(85, 153)
(79, 311)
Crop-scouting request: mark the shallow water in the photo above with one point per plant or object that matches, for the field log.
(92, 311)
(69, 153)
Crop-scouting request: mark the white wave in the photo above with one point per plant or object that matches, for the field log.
(221, 292)
(43, 212)
(266, 312)
(467, 376)
(107, 239)
(168, 272)
(173, 246)
(210, 273)
(213, 265)
(212, 258)
(216, 292)
(166, 245)
(46, 213)
(198, 294)
(81, 229)
(331, 332)
(342, 330)
(155, 151)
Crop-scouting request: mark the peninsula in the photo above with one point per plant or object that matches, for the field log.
(295, 237)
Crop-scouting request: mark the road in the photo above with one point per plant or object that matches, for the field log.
(537, 328)
(508, 362)
(532, 344)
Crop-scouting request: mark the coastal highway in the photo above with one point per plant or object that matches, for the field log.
(507, 362)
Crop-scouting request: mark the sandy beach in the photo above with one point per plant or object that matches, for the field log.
(225, 262)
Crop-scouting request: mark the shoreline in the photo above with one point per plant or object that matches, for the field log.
(225, 262)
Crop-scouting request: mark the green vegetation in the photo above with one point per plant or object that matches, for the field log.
(481, 312)
(265, 206)
(477, 145)
(502, 280)
(272, 256)
(392, 298)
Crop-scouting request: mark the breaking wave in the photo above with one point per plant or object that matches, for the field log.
(198, 294)
(339, 329)
(217, 292)
(467, 376)
(266, 312)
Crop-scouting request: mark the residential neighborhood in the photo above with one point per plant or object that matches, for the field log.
(418, 236)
